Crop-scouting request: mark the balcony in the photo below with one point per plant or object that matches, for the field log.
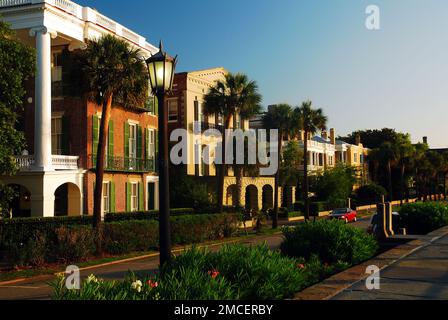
(126, 164)
(26, 163)
(199, 127)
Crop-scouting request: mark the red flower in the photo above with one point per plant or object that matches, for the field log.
(152, 284)
(213, 273)
(301, 266)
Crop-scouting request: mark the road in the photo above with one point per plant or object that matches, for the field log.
(37, 288)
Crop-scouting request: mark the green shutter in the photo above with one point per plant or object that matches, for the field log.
(126, 145)
(156, 106)
(151, 196)
(95, 137)
(139, 142)
(65, 136)
(146, 142)
(128, 197)
(141, 200)
(110, 147)
(156, 159)
(112, 197)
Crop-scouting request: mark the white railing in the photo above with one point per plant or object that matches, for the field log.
(130, 35)
(69, 7)
(11, 3)
(106, 22)
(65, 162)
(26, 163)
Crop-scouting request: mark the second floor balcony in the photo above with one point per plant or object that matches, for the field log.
(26, 163)
(125, 164)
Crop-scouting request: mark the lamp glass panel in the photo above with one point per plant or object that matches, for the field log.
(168, 74)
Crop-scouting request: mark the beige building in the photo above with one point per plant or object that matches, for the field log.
(185, 108)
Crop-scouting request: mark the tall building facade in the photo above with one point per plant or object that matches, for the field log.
(57, 166)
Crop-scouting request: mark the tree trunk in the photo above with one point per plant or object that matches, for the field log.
(402, 183)
(389, 174)
(99, 172)
(223, 170)
(239, 173)
(444, 186)
(277, 181)
(305, 177)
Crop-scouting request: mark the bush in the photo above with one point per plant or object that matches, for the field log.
(234, 272)
(54, 242)
(130, 236)
(423, 217)
(316, 207)
(370, 194)
(299, 206)
(295, 214)
(331, 240)
(145, 215)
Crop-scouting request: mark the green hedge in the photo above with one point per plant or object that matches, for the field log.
(331, 240)
(316, 207)
(423, 217)
(48, 243)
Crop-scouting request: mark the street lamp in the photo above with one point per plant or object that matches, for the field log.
(161, 74)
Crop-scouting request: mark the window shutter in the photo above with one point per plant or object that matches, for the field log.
(156, 158)
(126, 145)
(147, 143)
(128, 197)
(110, 147)
(112, 197)
(95, 137)
(141, 200)
(65, 136)
(139, 142)
(156, 106)
(151, 196)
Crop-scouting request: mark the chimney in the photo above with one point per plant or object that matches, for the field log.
(332, 136)
(425, 140)
(324, 134)
(358, 139)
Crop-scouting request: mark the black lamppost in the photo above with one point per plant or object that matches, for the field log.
(161, 74)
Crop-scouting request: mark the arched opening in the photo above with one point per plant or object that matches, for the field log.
(231, 195)
(67, 200)
(251, 197)
(268, 197)
(287, 197)
(20, 205)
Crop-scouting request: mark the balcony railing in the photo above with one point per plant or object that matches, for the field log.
(199, 127)
(126, 164)
(26, 163)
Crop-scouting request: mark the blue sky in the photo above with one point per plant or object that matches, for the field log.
(315, 49)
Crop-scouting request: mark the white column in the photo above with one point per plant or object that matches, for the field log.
(42, 117)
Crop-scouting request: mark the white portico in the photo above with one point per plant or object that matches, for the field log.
(45, 25)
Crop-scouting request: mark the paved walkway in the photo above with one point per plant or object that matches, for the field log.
(423, 275)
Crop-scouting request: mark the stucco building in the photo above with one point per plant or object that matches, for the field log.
(57, 166)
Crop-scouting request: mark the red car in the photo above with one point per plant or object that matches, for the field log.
(345, 214)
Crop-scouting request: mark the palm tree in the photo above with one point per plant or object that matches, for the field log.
(235, 95)
(113, 73)
(419, 164)
(309, 120)
(389, 156)
(405, 151)
(278, 117)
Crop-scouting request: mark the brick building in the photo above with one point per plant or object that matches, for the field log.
(57, 173)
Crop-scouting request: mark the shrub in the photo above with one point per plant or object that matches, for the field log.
(295, 214)
(73, 244)
(145, 215)
(316, 207)
(370, 194)
(299, 206)
(331, 240)
(423, 217)
(129, 236)
(234, 272)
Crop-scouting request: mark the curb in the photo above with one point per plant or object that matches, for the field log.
(331, 287)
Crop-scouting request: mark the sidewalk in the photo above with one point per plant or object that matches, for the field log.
(423, 275)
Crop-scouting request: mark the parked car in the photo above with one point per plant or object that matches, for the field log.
(345, 214)
(396, 223)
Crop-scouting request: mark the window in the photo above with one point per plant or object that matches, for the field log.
(106, 197)
(151, 150)
(134, 197)
(237, 122)
(219, 120)
(172, 110)
(56, 73)
(132, 141)
(355, 157)
(56, 136)
(151, 103)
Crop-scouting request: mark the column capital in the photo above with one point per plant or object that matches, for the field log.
(43, 30)
(75, 45)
